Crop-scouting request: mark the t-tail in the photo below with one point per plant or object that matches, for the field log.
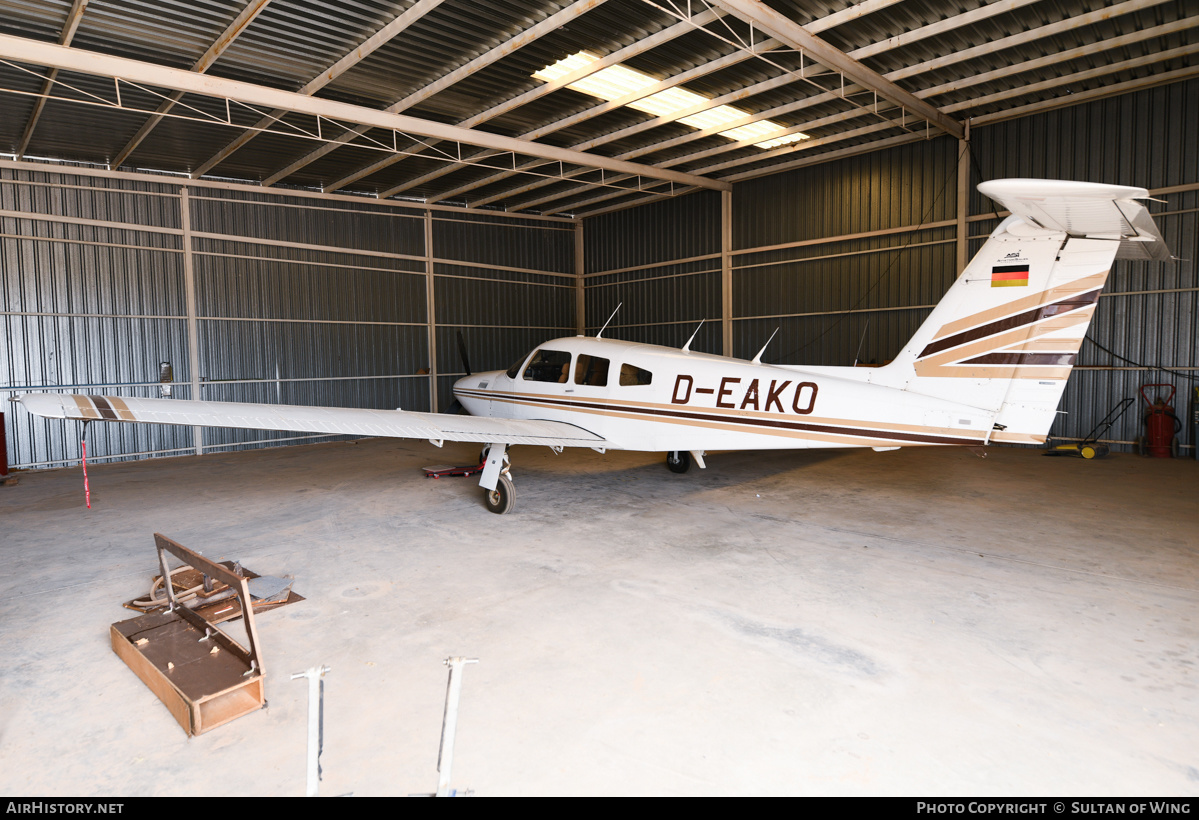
(1005, 337)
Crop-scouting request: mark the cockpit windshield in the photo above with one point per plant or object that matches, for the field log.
(514, 371)
(548, 366)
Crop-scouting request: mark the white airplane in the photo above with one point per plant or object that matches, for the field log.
(988, 365)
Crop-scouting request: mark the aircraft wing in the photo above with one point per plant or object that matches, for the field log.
(436, 427)
(1084, 209)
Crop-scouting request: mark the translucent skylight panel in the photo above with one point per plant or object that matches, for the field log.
(783, 140)
(714, 117)
(618, 81)
(668, 102)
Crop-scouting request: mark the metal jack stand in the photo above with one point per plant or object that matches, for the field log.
(449, 726)
(316, 715)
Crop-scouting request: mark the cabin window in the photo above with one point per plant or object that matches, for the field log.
(548, 366)
(632, 375)
(591, 370)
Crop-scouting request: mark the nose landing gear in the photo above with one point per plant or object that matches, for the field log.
(496, 481)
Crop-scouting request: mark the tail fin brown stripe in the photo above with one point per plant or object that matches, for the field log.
(1028, 317)
(1024, 358)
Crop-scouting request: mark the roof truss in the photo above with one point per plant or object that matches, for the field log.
(481, 131)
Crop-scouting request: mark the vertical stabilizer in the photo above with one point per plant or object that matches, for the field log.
(1006, 335)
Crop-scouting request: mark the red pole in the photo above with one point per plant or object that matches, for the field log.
(3, 449)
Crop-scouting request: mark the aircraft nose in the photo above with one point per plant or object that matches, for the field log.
(466, 392)
(476, 381)
(472, 382)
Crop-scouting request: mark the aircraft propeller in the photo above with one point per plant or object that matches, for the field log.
(456, 407)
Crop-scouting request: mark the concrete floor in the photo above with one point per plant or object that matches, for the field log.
(918, 622)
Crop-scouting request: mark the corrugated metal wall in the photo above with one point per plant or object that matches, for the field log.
(1148, 315)
(847, 258)
(297, 301)
(88, 305)
(325, 302)
(801, 267)
(631, 260)
(513, 289)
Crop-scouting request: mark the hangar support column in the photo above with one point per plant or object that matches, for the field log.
(580, 282)
(431, 312)
(193, 324)
(726, 272)
(963, 250)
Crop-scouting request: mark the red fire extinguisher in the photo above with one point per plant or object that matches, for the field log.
(1161, 425)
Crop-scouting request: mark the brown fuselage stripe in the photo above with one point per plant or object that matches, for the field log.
(1027, 318)
(969, 436)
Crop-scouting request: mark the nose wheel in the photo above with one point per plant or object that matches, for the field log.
(501, 499)
(498, 493)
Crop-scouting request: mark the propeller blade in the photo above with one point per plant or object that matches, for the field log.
(462, 353)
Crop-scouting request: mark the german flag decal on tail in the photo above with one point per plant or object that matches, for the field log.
(1009, 276)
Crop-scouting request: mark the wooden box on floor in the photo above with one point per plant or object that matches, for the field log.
(204, 677)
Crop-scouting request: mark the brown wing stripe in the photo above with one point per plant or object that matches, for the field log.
(86, 408)
(105, 409)
(1019, 320)
(122, 409)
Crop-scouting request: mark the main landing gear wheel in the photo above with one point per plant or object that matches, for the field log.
(679, 461)
(501, 499)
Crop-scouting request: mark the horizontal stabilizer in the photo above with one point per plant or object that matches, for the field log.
(1087, 210)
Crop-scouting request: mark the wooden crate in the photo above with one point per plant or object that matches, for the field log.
(204, 677)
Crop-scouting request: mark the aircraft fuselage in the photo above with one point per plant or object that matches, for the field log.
(646, 397)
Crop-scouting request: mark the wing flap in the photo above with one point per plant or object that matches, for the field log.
(332, 420)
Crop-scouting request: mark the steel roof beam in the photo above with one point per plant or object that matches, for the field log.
(821, 24)
(1058, 102)
(368, 47)
(1011, 41)
(615, 58)
(22, 50)
(814, 27)
(612, 105)
(74, 18)
(226, 38)
(549, 24)
(841, 153)
(776, 25)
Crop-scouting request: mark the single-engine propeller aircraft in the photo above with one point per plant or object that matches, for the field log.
(989, 364)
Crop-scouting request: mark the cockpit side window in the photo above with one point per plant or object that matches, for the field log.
(633, 375)
(548, 366)
(591, 370)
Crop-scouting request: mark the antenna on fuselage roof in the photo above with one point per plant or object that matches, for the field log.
(758, 358)
(687, 347)
(600, 335)
(858, 355)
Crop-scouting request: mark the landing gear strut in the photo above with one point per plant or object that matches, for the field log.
(678, 461)
(499, 494)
